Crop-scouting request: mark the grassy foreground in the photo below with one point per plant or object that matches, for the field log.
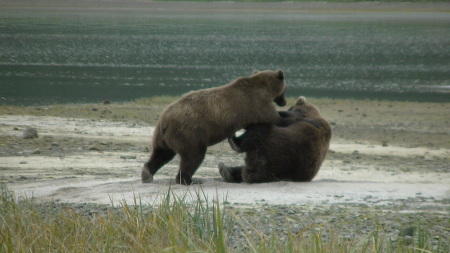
(188, 223)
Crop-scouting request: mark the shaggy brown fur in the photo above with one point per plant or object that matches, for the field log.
(205, 117)
(293, 150)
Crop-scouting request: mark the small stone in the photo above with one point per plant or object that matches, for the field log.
(31, 152)
(23, 162)
(35, 152)
(95, 147)
(408, 240)
(30, 133)
(296, 230)
(409, 231)
(127, 157)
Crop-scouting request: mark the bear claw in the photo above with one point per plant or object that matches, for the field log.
(234, 146)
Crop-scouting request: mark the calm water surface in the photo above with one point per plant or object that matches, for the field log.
(87, 55)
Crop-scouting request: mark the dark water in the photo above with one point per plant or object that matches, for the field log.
(87, 55)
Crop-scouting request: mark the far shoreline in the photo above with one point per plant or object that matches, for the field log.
(211, 6)
(356, 95)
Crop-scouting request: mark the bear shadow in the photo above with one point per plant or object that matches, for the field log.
(171, 181)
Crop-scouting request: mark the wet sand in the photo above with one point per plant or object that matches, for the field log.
(88, 153)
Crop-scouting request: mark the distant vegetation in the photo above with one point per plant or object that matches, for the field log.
(330, 1)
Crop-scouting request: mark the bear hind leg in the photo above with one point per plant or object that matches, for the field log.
(190, 161)
(230, 174)
(158, 158)
(260, 175)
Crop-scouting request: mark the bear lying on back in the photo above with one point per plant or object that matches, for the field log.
(205, 117)
(292, 150)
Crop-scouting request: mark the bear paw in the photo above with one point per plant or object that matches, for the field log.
(234, 145)
(230, 174)
(146, 176)
(223, 171)
(226, 173)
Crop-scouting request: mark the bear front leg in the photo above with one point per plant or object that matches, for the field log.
(254, 135)
(236, 144)
(288, 118)
(230, 174)
(285, 114)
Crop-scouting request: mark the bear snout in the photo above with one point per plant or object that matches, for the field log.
(280, 100)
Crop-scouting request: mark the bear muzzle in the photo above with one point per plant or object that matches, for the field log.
(280, 100)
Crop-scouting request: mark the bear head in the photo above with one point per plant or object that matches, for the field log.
(305, 109)
(274, 80)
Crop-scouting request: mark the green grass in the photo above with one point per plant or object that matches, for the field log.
(176, 224)
(187, 222)
(156, 100)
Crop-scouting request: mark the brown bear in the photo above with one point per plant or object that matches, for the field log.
(292, 150)
(205, 117)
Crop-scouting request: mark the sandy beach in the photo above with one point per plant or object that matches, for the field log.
(388, 156)
(88, 153)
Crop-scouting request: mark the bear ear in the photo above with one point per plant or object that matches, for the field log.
(301, 100)
(255, 72)
(280, 74)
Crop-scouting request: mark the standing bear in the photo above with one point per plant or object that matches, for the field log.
(292, 150)
(205, 117)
